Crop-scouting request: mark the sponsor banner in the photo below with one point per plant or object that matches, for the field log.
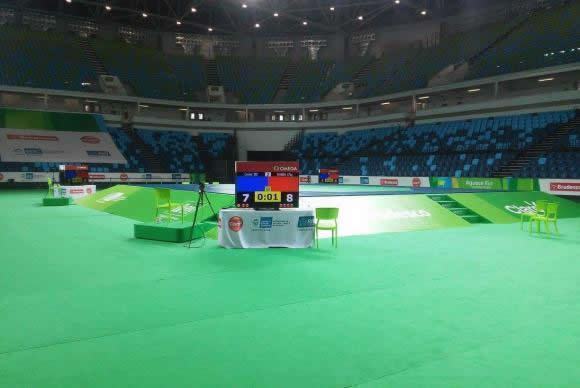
(477, 183)
(508, 207)
(128, 177)
(248, 228)
(560, 186)
(389, 181)
(74, 191)
(32, 145)
(32, 177)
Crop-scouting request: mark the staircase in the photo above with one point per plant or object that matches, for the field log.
(458, 209)
(287, 76)
(146, 153)
(91, 56)
(213, 78)
(535, 151)
(362, 73)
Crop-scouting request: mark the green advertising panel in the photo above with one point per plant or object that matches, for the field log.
(502, 208)
(477, 183)
(361, 215)
(138, 203)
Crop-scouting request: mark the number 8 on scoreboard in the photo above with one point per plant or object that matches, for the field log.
(270, 185)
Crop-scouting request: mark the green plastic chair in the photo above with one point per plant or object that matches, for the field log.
(550, 215)
(50, 192)
(540, 210)
(326, 219)
(163, 201)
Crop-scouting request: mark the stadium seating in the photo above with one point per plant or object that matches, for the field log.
(145, 70)
(177, 150)
(135, 163)
(59, 56)
(252, 81)
(550, 37)
(190, 75)
(454, 148)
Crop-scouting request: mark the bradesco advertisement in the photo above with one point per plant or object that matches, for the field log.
(361, 215)
(560, 186)
(504, 207)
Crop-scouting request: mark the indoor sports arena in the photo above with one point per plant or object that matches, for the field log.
(288, 193)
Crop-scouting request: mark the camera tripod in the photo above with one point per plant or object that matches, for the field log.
(201, 201)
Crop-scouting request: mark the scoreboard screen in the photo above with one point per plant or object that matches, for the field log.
(328, 175)
(267, 184)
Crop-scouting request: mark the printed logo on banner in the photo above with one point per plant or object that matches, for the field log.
(89, 190)
(564, 186)
(147, 176)
(113, 197)
(29, 176)
(364, 180)
(90, 139)
(389, 182)
(98, 153)
(27, 151)
(263, 222)
(305, 221)
(236, 224)
(528, 207)
(416, 182)
(96, 176)
(123, 177)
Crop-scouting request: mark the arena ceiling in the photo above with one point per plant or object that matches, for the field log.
(254, 16)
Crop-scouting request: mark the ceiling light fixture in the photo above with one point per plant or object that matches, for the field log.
(178, 22)
(210, 29)
(144, 14)
(546, 79)
(473, 90)
(257, 25)
(360, 17)
(193, 10)
(276, 14)
(385, 103)
(304, 23)
(108, 7)
(423, 12)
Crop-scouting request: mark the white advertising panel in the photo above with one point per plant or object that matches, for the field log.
(32, 145)
(560, 186)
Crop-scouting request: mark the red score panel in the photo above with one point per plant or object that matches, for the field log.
(273, 167)
(284, 184)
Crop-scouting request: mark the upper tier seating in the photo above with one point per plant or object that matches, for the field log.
(190, 75)
(43, 60)
(132, 154)
(146, 70)
(252, 81)
(550, 37)
(455, 148)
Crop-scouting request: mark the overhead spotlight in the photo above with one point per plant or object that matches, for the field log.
(69, 1)
(423, 98)
(144, 14)
(475, 90)
(304, 23)
(546, 79)
(178, 22)
(385, 103)
(331, 9)
(276, 14)
(397, 1)
(423, 12)
(193, 10)
(244, 5)
(210, 29)
(108, 7)
(360, 17)
(257, 25)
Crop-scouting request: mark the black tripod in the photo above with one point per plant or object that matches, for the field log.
(200, 204)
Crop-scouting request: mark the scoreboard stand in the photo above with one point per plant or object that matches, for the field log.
(267, 185)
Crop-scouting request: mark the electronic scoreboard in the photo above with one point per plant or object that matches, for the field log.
(270, 185)
(328, 175)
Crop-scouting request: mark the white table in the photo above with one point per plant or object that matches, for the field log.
(249, 228)
(74, 191)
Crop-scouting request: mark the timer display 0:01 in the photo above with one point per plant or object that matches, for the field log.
(267, 196)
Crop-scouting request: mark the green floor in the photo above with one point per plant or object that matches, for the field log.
(83, 304)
